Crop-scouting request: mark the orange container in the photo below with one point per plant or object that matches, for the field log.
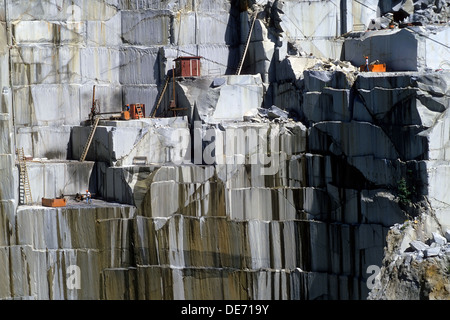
(377, 67)
(374, 67)
(54, 203)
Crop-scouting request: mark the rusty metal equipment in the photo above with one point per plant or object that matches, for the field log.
(139, 111)
(133, 111)
(54, 203)
(173, 105)
(95, 108)
(161, 95)
(187, 66)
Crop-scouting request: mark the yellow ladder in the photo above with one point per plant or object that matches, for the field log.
(241, 62)
(24, 187)
(89, 140)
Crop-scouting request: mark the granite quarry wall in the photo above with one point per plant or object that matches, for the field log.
(288, 203)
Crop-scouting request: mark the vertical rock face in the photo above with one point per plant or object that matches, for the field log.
(9, 177)
(58, 51)
(407, 48)
(50, 243)
(318, 217)
(229, 200)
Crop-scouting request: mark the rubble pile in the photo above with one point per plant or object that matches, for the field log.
(416, 264)
(430, 12)
(334, 65)
(435, 246)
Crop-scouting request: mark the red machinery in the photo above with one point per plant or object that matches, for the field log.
(187, 66)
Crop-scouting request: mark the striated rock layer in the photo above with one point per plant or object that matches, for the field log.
(310, 222)
(305, 224)
(294, 201)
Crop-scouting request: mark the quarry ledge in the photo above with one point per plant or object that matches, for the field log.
(162, 221)
(73, 204)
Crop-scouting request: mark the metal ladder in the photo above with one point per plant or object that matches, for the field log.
(161, 96)
(241, 62)
(89, 141)
(24, 187)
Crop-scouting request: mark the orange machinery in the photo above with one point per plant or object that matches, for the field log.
(133, 111)
(377, 67)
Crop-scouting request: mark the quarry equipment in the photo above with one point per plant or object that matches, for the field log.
(54, 203)
(174, 109)
(187, 66)
(95, 108)
(89, 140)
(161, 96)
(95, 111)
(82, 197)
(24, 187)
(139, 110)
(374, 67)
(377, 67)
(133, 111)
(173, 105)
